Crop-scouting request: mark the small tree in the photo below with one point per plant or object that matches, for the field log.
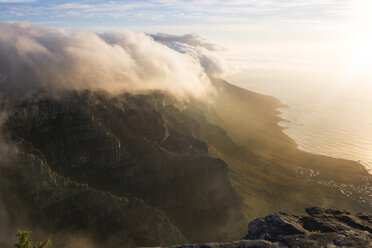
(24, 241)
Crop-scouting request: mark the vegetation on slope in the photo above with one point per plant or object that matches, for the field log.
(24, 241)
(264, 171)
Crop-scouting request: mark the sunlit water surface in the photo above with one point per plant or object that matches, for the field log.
(334, 120)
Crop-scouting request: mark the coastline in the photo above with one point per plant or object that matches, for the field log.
(274, 174)
(325, 118)
(282, 124)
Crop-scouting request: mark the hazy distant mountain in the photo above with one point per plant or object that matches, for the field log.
(148, 169)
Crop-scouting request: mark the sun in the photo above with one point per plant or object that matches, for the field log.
(362, 61)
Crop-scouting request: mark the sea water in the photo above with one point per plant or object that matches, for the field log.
(328, 119)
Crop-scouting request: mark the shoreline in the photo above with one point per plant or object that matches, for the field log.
(301, 148)
(337, 127)
(279, 109)
(266, 170)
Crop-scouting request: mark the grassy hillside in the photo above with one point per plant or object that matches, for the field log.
(264, 162)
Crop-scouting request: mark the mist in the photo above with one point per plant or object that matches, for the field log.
(200, 49)
(34, 58)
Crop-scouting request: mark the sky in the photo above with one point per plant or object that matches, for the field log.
(294, 40)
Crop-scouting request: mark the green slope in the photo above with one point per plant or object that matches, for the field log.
(263, 161)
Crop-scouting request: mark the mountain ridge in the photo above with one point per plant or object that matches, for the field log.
(201, 169)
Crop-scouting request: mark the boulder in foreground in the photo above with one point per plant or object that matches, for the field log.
(320, 228)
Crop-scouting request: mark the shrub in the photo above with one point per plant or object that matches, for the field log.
(24, 241)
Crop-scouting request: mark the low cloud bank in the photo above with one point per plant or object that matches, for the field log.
(34, 57)
(198, 48)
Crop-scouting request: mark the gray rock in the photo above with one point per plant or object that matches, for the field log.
(274, 227)
(328, 228)
(236, 244)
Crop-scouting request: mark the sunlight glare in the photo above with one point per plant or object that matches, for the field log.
(362, 61)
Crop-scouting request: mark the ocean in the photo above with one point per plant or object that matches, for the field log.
(327, 119)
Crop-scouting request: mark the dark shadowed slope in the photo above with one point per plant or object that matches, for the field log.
(38, 198)
(130, 146)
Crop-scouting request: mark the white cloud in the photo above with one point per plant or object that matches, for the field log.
(33, 57)
(198, 48)
(189, 39)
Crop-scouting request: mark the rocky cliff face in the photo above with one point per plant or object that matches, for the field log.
(123, 148)
(320, 228)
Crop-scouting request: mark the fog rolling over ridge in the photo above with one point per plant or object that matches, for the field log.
(200, 49)
(34, 57)
(49, 76)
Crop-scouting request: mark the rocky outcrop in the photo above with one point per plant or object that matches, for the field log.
(321, 228)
